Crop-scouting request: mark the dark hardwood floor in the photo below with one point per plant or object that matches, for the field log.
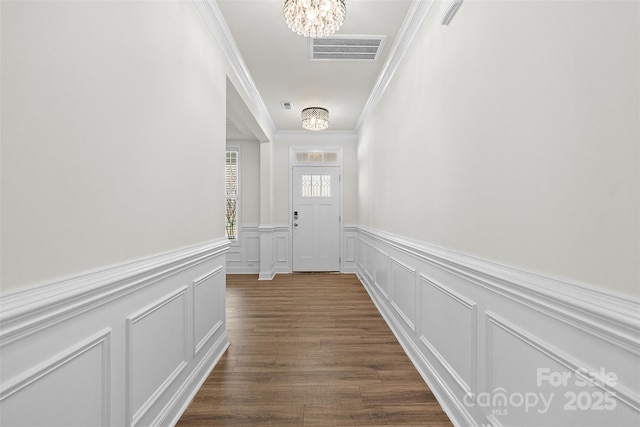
(310, 350)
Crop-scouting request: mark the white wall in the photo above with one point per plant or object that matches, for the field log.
(512, 135)
(507, 145)
(113, 249)
(281, 147)
(113, 117)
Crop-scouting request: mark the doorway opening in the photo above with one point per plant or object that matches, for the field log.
(316, 209)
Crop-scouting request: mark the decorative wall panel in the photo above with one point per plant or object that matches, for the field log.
(253, 249)
(157, 340)
(403, 293)
(450, 315)
(349, 250)
(382, 280)
(63, 343)
(282, 248)
(495, 344)
(88, 361)
(208, 304)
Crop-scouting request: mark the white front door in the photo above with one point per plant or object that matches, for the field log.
(316, 218)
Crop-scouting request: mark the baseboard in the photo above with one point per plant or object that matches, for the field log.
(483, 335)
(192, 385)
(231, 269)
(267, 275)
(84, 343)
(426, 371)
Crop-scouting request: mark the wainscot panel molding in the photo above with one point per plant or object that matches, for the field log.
(349, 245)
(244, 253)
(267, 235)
(266, 250)
(403, 281)
(208, 301)
(126, 345)
(447, 307)
(88, 360)
(502, 346)
(150, 371)
(281, 248)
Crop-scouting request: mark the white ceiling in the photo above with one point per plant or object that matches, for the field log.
(278, 62)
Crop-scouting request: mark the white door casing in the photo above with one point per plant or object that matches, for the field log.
(316, 218)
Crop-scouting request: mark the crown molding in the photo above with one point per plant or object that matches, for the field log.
(418, 11)
(216, 23)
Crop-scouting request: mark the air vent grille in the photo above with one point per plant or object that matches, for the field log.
(346, 48)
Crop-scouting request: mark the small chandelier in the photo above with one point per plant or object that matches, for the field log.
(315, 118)
(315, 18)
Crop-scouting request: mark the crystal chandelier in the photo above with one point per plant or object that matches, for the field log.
(315, 118)
(315, 18)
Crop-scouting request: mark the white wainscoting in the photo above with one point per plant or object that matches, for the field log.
(128, 345)
(244, 253)
(88, 360)
(262, 250)
(349, 247)
(266, 251)
(504, 347)
(281, 249)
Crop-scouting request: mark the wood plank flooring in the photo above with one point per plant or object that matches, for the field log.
(310, 350)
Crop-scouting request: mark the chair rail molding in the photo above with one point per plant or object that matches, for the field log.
(484, 334)
(64, 342)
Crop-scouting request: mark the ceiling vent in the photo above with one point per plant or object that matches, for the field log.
(345, 48)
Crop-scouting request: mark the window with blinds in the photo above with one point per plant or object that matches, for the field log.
(231, 191)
